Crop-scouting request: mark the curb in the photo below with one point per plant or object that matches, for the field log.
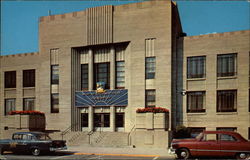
(125, 155)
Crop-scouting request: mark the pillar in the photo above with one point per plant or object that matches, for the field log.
(91, 118)
(112, 118)
(112, 68)
(91, 69)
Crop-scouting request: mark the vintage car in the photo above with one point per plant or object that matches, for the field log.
(34, 142)
(212, 143)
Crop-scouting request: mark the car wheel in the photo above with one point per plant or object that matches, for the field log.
(183, 153)
(243, 156)
(36, 151)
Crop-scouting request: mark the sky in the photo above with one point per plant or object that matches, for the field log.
(19, 19)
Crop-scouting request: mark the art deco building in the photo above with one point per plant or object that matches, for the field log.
(140, 56)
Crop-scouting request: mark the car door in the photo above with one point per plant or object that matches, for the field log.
(229, 144)
(208, 145)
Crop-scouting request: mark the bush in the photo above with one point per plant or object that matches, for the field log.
(181, 132)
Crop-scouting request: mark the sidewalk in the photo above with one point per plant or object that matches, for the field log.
(142, 152)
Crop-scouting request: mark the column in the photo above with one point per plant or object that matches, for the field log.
(91, 69)
(112, 68)
(112, 118)
(91, 118)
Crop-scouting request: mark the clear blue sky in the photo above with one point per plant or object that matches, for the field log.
(19, 19)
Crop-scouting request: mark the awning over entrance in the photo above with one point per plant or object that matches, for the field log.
(117, 97)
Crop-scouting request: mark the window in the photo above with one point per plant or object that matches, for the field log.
(150, 67)
(85, 119)
(84, 76)
(55, 103)
(10, 79)
(10, 105)
(210, 137)
(227, 101)
(29, 104)
(29, 78)
(101, 119)
(120, 74)
(226, 65)
(119, 120)
(226, 129)
(150, 98)
(55, 74)
(196, 102)
(196, 67)
(102, 74)
(195, 131)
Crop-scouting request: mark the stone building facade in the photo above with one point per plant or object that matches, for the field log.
(139, 54)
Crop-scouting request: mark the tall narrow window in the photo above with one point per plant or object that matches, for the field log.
(9, 105)
(227, 101)
(10, 79)
(29, 104)
(55, 103)
(29, 78)
(150, 67)
(195, 102)
(226, 65)
(54, 74)
(196, 67)
(120, 74)
(119, 120)
(84, 119)
(102, 74)
(84, 76)
(150, 98)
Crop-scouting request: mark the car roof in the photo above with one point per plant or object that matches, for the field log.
(29, 133)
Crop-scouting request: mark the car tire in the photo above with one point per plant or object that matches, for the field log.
(243, 156)
(183, 153)
(36, 151)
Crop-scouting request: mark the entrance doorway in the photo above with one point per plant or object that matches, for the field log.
(101, 120)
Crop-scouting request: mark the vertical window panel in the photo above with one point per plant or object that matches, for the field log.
(226, 65)
(120, 74)
(196, 67)
(29, 78)
(84, 76)
(9, 105)
(150, 67)
(10, 79)
(55, 103)
(54, 74)
(102, 74)
(29, 104)
(150, 98)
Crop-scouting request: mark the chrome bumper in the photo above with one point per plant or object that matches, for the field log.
(55, 149)
(171, 150)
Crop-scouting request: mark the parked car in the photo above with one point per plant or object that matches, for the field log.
(34, 142)
(212, 143)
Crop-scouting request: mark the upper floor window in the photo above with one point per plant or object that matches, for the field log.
(10, 79)
(227, 101)
(29, 78)
(84, 76)
(120, 74)
(54, 74)
(196, 102)
(55, 103)
(9, 105)
(102, 74)
(226, 65)
(150, 98)
(150, 67)
(196, 67)
(29, 104)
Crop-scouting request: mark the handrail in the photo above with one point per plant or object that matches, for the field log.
(89, 134)
(68, 129)
(129, 135)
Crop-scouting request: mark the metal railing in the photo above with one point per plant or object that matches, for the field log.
(129, 135)
(67, 130)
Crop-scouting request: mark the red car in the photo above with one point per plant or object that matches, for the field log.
(212, 143)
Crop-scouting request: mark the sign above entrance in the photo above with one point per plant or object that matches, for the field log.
(117, 97)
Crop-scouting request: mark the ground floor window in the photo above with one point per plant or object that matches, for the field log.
(226, 129)
(9, 105)
(195, 131)
(29, 104)
(84, 119)
(119, 120)
(101, 120)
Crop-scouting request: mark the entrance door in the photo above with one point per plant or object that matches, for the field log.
(101, 120)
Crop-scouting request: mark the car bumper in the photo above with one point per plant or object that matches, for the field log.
(171, 150)
(55, 149)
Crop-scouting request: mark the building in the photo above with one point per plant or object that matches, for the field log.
(140, 55)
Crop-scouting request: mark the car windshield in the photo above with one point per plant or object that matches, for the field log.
(42, 137)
